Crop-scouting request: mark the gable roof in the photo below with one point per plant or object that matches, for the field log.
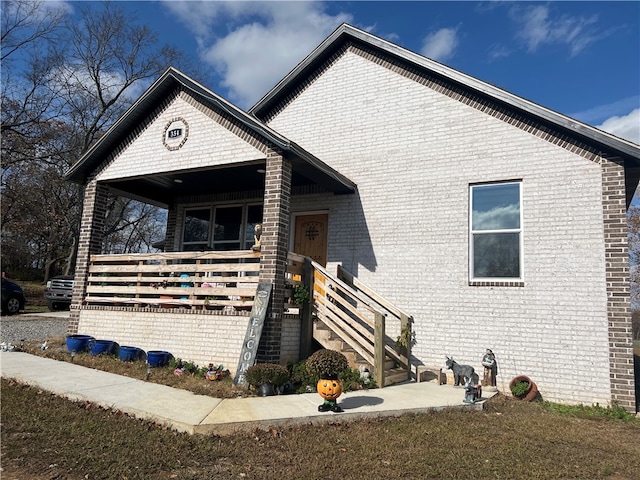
(303, 161)
(344, 34)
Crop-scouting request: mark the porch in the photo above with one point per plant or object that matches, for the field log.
(341, 314)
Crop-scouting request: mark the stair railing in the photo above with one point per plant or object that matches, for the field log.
(356, 314)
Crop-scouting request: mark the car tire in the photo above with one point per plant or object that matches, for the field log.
(12, 306)
(52, 306)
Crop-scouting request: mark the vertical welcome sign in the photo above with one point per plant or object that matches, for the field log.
(254, 331)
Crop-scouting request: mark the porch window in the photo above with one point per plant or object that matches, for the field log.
(197, 223)
(232, 228)
(226, 230)
(496, 231)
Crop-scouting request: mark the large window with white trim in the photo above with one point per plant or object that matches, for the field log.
(495, 241)
(220, 227)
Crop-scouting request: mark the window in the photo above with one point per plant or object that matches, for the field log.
(232, 228)
(226, 230)
(495, 242)
(196, 229)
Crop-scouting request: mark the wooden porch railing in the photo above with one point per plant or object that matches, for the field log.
(196, 280)
(359, 317)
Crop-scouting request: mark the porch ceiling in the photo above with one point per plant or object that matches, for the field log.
(162, 188)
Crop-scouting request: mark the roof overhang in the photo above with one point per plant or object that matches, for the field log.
(163, 188)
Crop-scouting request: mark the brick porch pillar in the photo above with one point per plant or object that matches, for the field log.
(274, 250)
(89, 242)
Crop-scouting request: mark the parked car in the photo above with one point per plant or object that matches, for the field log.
(12, 297)
(58, 292)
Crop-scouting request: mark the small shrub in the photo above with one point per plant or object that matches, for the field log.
(520, 389)
(303, 380)
(188, 367)
(262, 373)
(352, 380)
(300, 294)
(327, 363)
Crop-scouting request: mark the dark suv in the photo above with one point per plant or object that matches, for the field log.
(58, 292)
(12, 297)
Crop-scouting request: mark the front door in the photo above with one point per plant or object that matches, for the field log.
(310, 237)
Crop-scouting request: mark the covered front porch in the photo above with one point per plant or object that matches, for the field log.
(197, 305)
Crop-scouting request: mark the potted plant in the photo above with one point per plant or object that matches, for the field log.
(522, 387)
(265, 377)
(300, 294)
(328, 365)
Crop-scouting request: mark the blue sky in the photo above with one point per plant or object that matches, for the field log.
(581, 59)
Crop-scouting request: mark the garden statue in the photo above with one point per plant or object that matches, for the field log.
(472, 392)
(490, 369)
(328, 365)
(257, 237)
(330, 390)
(462, 372)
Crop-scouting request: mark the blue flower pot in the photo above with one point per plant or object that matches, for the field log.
(129, 354)
(98, 347)
(158, 358)
(78, 343)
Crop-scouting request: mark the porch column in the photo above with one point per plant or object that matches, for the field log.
(274, 250)
(89, 242)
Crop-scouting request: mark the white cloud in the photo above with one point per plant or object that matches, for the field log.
(600, 113)
(267, 40)
(538, 28)
(626, 126)
(497, 51)
(440, 45)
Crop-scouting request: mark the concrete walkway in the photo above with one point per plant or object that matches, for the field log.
(187, 412)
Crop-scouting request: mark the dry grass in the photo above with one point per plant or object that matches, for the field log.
(57, 350)
(46, 437)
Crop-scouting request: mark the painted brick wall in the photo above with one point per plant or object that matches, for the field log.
(208, 143)
(202, 339)
(413, 152)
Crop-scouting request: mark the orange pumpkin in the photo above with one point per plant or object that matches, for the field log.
(329, 389)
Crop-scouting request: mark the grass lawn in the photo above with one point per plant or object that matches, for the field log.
(46, 437)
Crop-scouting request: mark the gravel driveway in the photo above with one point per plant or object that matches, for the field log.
(31, 328)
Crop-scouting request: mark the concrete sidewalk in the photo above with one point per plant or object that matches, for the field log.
(187, 412)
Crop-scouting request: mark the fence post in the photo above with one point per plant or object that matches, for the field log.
(378, 349)
(306, 319)
(405, 327)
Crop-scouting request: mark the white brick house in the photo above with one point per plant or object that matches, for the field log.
(494, 222)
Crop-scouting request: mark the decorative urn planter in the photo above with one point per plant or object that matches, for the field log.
(329, 388)
(523, 388)
(328, 365)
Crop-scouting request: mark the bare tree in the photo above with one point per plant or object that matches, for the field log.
(54, 107)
